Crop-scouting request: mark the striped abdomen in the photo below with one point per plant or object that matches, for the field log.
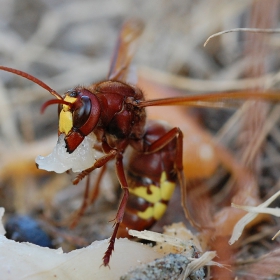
(151, 180)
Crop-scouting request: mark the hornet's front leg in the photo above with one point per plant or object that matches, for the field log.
(121, 209)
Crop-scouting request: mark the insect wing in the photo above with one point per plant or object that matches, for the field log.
(214, 100)
(126, 46)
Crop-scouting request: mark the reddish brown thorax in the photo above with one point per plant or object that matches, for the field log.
(120, 122)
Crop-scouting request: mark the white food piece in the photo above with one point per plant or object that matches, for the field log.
(2, 230)
(28, 261)
(60, 161)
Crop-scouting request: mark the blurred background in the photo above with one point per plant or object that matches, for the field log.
(69, 43)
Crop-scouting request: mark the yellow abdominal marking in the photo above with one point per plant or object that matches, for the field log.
(159, 210)
(165, 191)
(66, 117)
(148, 213)
(155, 212)
(167, 188)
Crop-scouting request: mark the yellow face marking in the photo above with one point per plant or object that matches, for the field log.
(70, 100)
(65, 121)
(65, 116)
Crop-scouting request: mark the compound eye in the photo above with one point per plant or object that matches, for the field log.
(73, 93)
(81, 115)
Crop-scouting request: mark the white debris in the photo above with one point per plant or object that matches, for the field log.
(253, 212)
(60, 160)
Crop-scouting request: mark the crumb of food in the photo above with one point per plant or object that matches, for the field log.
(60, 160)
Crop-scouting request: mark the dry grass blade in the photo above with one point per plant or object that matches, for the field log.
(251, 30)
(239, 227)
(204, 260)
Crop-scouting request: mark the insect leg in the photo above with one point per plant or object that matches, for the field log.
(99, 163)
(95, 191)
(89, 197)
(121, 209)
(83, 207)
(182, 180)
(159, 144)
